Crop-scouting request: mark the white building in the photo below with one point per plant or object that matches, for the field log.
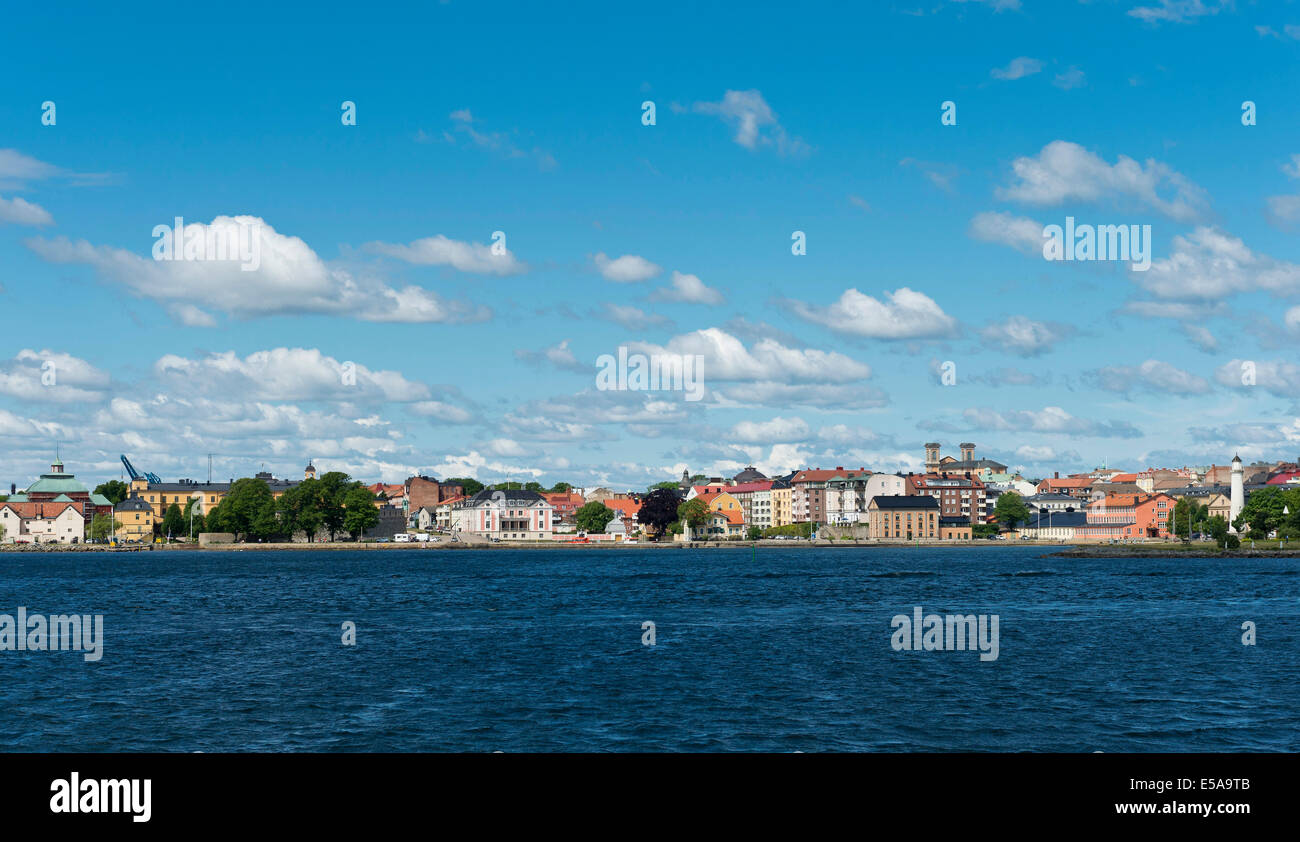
(59, 522)
(505, 514)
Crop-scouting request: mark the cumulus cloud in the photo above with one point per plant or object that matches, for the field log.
(1021, 233)
(726, 358)
(1277, 377)
(771, 430)
(628, 269)
(285, 374)
(1209, 263)
(689, 289)
(1065, 171)
(53, 377)
(289, 279)
(902, 314)
(1023, 336)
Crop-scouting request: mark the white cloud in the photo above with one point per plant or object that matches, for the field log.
(557, 355)
(285, 374)
(633, 318)
(1070, 79)
(902, 314)
(52, 377)
(1065, 171)
(753, 120)
(689, 289)
(727, 359)
(1174, 11)
(442, 411)
(1050, 419)
(1277, 377)
(290, 279)
(772, 430)
(1021, 233)
(1019, 68)
(1023, 336)
(21, 212)
(1210, 263)
(474, 258)
(1150, 376)
(627, 269)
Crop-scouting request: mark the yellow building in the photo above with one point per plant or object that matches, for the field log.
(782, 506)
(162, 495)
(894, 516)
(135, 519)
(723, 502)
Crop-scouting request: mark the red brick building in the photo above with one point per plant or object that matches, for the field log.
(422, 492)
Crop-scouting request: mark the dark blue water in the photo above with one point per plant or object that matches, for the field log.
(541, 650)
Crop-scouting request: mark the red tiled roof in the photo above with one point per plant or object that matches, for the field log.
(627, 507)
(41, 509)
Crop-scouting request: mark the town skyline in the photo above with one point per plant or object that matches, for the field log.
(439, 282)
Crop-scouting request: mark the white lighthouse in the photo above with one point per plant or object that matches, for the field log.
(1238, 501)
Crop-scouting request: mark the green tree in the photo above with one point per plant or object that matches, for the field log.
(560, 488)
(694, 512)
(593, 517)
(469, 485)
(1263, 510)
(173, 524)
(666, 484)
(215, 520)
(115, 490)
(245, 509)
(1010, 510)
(360, 513)
(333, 487)
(1217, 526)
(754, 533)
(299, 509)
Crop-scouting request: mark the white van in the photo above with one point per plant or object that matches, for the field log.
(402, 538)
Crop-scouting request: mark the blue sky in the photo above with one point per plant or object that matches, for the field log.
(474, 118)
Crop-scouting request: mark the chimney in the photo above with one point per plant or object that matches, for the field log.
(839, 467)
(1056, 474)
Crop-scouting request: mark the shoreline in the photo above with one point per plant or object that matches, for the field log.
(1060, 550)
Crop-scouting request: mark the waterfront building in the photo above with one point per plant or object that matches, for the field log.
(507, 514)
(955, 529)
(903, 517)
(135, 519)
(958, 495)
(782, 502)
(1053, 525)
(1127, 517)
(755, 500)
(59, 521)
(420, 492)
